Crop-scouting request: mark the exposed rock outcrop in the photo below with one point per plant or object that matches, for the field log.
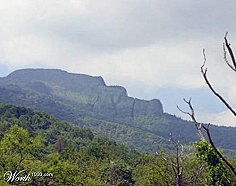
(87, 92)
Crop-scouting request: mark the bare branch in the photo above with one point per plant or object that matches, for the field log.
(204, 56)
(226, 60)
(170, 162)
(204, 74)
(178, 166)
(196, 176)
(207, 130)
(192, 115)
(230, 51)
(183, 111)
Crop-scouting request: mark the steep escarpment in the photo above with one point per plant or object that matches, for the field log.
(83, 91)
(113, 100)
(107, 110)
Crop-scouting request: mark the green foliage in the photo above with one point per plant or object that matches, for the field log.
(217, 174)
(55, 152)
(64, 172)
(107, 111)
(38, 143)
(17, 146)
(117, 173)
(153, 170)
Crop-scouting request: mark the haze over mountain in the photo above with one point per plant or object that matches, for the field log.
(107, 110)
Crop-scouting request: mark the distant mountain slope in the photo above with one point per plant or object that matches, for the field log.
(107, 110)
(91, 93)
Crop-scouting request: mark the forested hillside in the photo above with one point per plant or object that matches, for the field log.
(107, 110)
(48, 151)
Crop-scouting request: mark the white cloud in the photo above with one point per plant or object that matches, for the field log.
(225, 118)
(153, 66)
(128, 42)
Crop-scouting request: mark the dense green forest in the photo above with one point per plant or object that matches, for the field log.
(47, 151)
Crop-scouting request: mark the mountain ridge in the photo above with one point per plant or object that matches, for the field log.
(106, 110)
(108, 99)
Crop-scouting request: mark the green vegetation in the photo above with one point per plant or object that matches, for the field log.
(217, 174)
(55, 152)
(143, 133)
(106, 110)
(38, 143)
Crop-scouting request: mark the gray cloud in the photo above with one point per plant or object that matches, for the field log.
(120, 24)
(134, 43)
(101, 35)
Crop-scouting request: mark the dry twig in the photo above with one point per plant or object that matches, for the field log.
(204, 74)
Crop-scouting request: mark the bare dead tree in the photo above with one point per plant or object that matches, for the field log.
(176, 162)
(178, 168)
(206, 128)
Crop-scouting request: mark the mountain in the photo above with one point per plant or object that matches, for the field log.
(107, 110)
(90, 93)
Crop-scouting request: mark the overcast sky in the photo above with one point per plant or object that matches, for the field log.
(151, 47)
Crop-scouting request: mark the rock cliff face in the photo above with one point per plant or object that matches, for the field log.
(113, 100)
(87, 92)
